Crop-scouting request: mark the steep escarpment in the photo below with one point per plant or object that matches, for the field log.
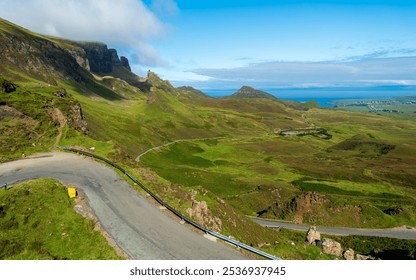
(100, 58)
(36, 56)
(96, 57)
(25, 54)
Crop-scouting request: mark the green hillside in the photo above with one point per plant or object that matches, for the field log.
(249, 92)
(329, 167)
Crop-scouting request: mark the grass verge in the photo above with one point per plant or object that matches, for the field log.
(38, 222)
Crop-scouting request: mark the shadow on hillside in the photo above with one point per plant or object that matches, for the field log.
(395, 254)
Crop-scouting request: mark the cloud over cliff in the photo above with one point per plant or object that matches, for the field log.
(127, 23)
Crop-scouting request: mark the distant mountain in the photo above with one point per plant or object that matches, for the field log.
(249, 92)
(193, 90)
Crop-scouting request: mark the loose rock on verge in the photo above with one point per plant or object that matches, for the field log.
(364, 257)
(313, 236)
(349, 254)
(331, 247)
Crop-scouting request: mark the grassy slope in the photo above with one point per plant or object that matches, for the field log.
(26, 125)
(248, 166)
(256, 173)
(37, 221)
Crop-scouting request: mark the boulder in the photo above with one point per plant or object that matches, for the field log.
(349, 254)
(8, 87)
(62, 93)
(331, 247)
(313, 236)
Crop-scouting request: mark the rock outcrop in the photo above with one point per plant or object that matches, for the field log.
(80, 57)
(331, 247)
(7, 86)
(100, 58)
(125, 62)
(305, 203)
(201, 214)
(349, 254)
(76, 118)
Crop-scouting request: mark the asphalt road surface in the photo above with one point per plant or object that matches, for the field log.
(401, 233)
(137, 226)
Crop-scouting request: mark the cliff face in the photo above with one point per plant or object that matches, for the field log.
(100, 58)
(37, 57)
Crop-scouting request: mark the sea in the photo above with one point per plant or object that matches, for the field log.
(325, 95)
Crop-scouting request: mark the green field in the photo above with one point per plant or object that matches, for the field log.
(396, 107)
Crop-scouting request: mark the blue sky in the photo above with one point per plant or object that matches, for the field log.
(216, 44)
(227, 44)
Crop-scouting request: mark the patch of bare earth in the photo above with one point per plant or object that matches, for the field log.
(60, 118)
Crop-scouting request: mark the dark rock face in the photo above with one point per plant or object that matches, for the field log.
(99, 57)
(76, 118)
(102, 59)
(8, 87)
(125, 62)
(392, 211)
(39, 57)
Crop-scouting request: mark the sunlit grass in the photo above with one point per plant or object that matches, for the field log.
(37, 222)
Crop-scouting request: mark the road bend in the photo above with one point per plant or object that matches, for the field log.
(138, 227)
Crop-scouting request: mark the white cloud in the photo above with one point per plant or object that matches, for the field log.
(364, 72)
(127, 23)
(391, 82)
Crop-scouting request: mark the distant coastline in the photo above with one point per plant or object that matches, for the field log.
(325, 95)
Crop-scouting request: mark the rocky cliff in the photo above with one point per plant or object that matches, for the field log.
(100, 58)
(36, 56)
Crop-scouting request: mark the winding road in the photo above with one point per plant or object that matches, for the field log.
(139, 228)
(173, 142)
(401, 233)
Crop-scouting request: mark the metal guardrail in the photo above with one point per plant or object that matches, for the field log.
(174, 211)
